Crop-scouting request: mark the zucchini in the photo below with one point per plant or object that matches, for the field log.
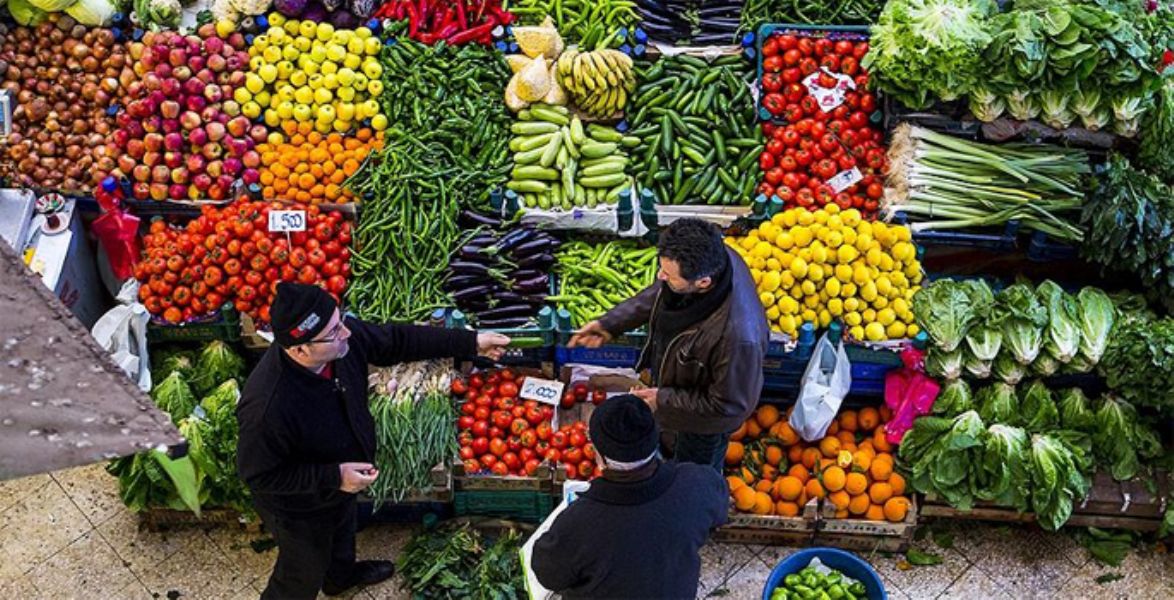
(533, 127)
(534, 172)
(598, 150)
(602, 181)
(528, 186)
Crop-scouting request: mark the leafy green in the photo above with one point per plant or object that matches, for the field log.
(954, 399)
(1062, 336)
(174, 396)
(1024, 319)
(212, 432)
(455, 561)
(150, 479)
(1007, 369)
(976, 368)
(1038, 408)
(1106, 547)
(997, 404)
(1002, 477)
(922, 50)
(1076, 411)
(944, 455)
(985, 339)
(1139, 363)
(1097, 315)
(944, 310)
(1059, 479)
(1154, 153)
(922, 559)
(1129, 216)
(216, 364)
(942, 364)
(175, 361)
(1120, 440)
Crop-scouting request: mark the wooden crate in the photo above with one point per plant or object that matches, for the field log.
(1110, 504)
(165, 519)
(864, 534)
(743, 528)
(543, 480)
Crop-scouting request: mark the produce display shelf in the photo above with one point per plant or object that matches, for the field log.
(609, 219)
(992, 239)
(1110, 504)
(832, 32)
(224, 326)
(1042, 248)
(524, 506)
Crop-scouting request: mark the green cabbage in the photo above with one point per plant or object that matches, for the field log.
(944, 455)
(1076, 411)
(174, 396)
(95, 13)
(1059, 479)
(927, 49)
(954, 399)
(1063, 335)
(1003, 476)
(221, 400)
(1006, 369)
(943, 365)
(52, 5)
(1024, 319)
(216, 364)
(1038, 409)
(25, 13)
(1096, 323)
(997, 404)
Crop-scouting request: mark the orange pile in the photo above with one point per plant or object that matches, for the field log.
(771, 471)
(311, 167)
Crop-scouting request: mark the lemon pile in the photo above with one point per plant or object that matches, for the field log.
(832, 265)
(311, 72)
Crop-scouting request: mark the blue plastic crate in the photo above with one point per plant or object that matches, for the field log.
(622, 352)
(832, 32)
(993, 239)
(530, 345)
(1043, 248)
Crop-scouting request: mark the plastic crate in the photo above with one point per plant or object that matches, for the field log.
(580, 219)
(951, 118)
(623, 351)
(832, 32)
(1042, 248)
(224, 326)
(529, 345)
(992, 239)
(528, 507)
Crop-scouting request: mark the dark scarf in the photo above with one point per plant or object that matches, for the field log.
(678, 312)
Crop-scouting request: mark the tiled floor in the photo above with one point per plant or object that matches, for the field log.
(66, 535)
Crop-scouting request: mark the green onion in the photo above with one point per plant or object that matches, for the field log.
(941, 182)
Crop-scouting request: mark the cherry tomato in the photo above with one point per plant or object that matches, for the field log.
(770, 47)
(806, 46)
(773, 64)
(772, 82)
(790, 58)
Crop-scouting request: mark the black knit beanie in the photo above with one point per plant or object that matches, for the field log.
(299, 312)
(623, 429)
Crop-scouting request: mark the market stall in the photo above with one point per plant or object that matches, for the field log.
(968, 202)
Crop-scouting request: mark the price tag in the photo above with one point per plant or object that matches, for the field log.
(287, 220)
(542, 390)
(844, 179)
(829, 97)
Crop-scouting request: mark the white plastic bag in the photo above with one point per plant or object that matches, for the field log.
(825, 383)
(122, 332)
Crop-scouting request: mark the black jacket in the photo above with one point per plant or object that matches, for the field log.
(634, 540)
(296, 426)
(710, 376)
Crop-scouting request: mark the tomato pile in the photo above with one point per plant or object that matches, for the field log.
(228, 255)
(812, 146)
(581, 392)
(504, 435)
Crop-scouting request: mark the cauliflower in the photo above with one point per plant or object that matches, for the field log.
(251, 7)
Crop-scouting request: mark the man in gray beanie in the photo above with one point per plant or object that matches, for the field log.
(637, 531)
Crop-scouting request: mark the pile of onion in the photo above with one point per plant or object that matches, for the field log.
(63, 76)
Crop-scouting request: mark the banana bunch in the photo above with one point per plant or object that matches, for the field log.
(560, 164)
(599, 82)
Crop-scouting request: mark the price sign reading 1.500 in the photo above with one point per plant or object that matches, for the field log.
(287, 220)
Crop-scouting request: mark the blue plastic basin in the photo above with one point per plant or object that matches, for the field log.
(845, 562)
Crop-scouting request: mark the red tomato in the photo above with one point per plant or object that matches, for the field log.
(513, 443)
(572, 472)
(336, 284)
(775, 147)
(868, 103)
(502, 419)
(577, 439)
(558, 440)
(794, 92)
(568, 400)
(861, 50)
(766, 189)
(790, 58)
(787, 42)
(465, 422)
(553, 455)
(511, 460)
(517, 426)
(824, 46)
(466, 453)
(531, 467)
(770, 47)
(508, 389)
(806, 46)
(773, 64)
(586, 466)
(766, 160)
(573, 456)
(772, 82)
(875, 191)
(598, 396)
(480, 427)
(472, 466)
(774, 103)
(808, 66)
(500, 469)
(849, 65)
(544, 431)
(307, 275)
(497, 447)
(480, 445)
(468, 408)
(534, 415)
(774, 176)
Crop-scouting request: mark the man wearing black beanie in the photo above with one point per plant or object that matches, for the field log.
(637, 531)
(307, 438)
(707, 338)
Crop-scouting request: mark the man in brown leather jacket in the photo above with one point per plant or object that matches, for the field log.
(707, 337)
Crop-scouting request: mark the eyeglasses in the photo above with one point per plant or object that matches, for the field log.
(331, 336)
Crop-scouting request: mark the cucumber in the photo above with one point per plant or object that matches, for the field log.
(528, 186)
(602, 181)
(550, 154)
(530, 142)
(610, 168)
(630, 141)
(578, 136)
(529, 157)
(545, 113)
(533, 127)
(569, 142)
(533, 172)
(600, 133)
(597, 150)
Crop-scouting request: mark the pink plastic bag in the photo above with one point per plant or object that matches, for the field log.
(909, 393)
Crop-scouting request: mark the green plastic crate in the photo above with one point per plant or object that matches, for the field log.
(525, 506)
(225, 327)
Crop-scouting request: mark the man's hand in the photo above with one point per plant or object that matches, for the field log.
(648, 395)
(356, 477)
(492, 345)
(592, 335)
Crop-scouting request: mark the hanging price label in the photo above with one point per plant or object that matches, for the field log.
(287, 220)
(542, 390)
(844, 179)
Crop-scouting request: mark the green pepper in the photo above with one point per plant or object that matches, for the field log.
(792, 580)
(857, 589)
(836, 591)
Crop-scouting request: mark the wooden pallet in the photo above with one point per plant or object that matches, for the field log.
(158, 520)
(863, 534)
(770, 530)
(1110, 504)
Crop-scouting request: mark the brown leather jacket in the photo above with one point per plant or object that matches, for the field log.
(711, 376)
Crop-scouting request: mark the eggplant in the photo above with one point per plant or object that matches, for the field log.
(469, 218)
(473, 307)
(510, 311)
(543, 245)
(505, 298)
(539, 281)
(508, 323)
(706, 39)
(514, 238)
(472, 293)
(717, 11)
(721, 23)
(456, 284)
(465, 267)
(477, 253)
(523, 274)
(535, 261)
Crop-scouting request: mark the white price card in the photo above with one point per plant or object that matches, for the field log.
(543, 390)
(287, 220)
(844, 179)
(829, 98)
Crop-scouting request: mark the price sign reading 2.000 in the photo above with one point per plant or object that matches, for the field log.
(287, 220)
(542, 390)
